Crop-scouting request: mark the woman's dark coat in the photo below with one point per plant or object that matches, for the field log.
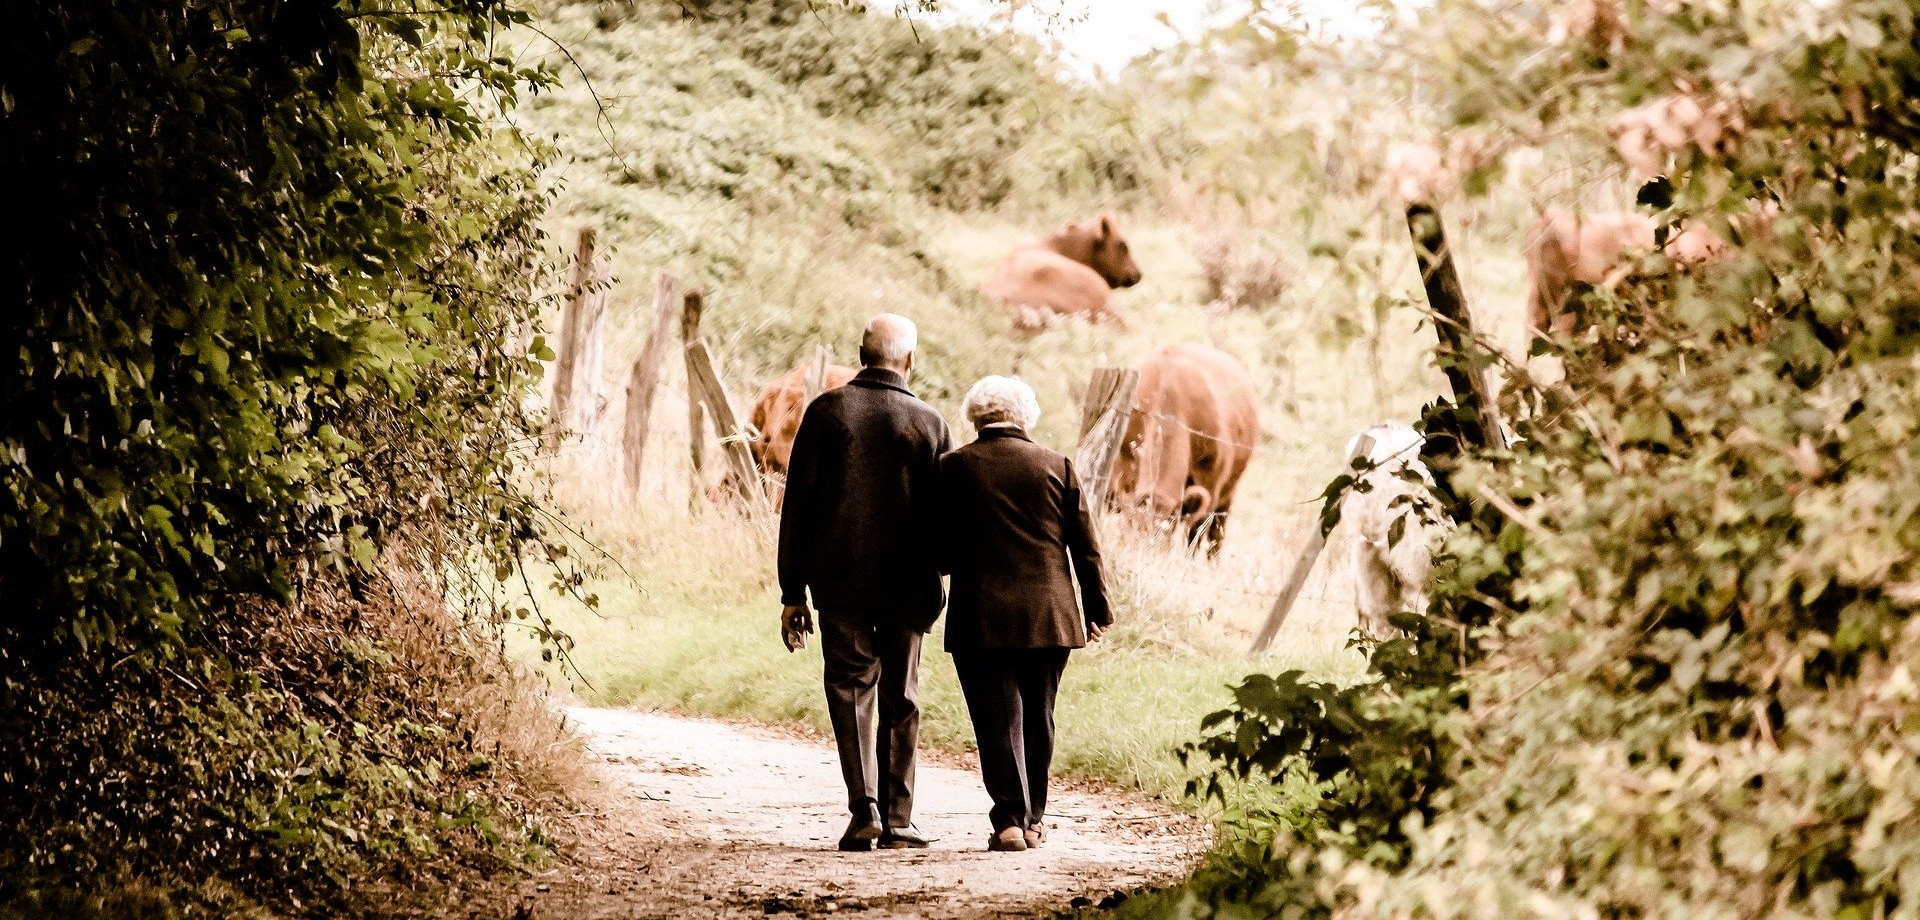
(1014, 532)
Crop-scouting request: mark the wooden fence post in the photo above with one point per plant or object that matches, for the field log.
(707, 394)
(703, 381)
(589, 403)
(1476, 421)
(1103, 423)
(1454, 325)
(694, 303)
(576, 368)
(645, 377)
(1302, 565)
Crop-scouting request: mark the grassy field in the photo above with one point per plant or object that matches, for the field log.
(709, 151)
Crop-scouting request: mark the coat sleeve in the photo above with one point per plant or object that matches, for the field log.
(934, 515)
(1084, 549)
(797, 509)
(940, 530)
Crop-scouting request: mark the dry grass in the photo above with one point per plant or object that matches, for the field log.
(503, 709)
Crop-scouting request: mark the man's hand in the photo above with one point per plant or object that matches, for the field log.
(1095, 631)
(796, 621)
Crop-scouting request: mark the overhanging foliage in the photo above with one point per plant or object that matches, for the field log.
(268, 337)
(1693, 696)
(262, 235)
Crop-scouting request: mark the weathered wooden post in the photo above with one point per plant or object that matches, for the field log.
(703, 379)
(645, 377)
(694, 302)
(1453, 325)
(706, 390)
(1302, 565)
(576, 368)
(1103, 423)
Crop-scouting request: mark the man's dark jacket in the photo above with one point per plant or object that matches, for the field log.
(859, 504)
(1012, 520)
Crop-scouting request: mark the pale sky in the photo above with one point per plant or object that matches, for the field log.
(1096, 36)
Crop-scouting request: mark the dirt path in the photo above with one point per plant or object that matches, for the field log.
(707, 819)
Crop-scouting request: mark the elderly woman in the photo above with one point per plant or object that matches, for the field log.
(1015, 533)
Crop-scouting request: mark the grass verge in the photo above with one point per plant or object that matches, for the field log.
(701, 638)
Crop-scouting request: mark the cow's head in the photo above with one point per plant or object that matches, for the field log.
(1133, 485)
(1099, 246)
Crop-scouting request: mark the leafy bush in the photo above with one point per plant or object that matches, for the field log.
(240, 265)
(264, 338)
(298, 752)
(1666, 672)
(985, 120)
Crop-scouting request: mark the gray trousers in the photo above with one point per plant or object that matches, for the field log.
(874, 670)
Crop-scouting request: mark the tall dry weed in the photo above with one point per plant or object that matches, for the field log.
(1240, 273)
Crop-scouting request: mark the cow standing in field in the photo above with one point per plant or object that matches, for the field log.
(1600, 250)
(1390, 561)
(1069, 273)
(1191, 432)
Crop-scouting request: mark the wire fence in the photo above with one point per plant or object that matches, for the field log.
(1182, 595)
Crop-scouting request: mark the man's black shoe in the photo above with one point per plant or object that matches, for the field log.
(862, 831)
(904, 838)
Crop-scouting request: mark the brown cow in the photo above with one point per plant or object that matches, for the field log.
(1069, 273)
(1597, 249)
(775, 419)
(1189, 437)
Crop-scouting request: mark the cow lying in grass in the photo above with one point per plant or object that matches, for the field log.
(1069, 273)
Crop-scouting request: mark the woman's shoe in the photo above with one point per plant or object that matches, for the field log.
(1007, 840)
(1036, 835)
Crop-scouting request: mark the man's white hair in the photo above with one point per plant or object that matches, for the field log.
(1002, 401)
(890, 338)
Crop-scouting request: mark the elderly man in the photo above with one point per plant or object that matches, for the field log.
(854, 531)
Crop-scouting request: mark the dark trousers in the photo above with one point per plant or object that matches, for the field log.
(1010, 699)
(874, 670)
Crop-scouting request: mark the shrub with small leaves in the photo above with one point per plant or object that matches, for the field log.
(266, 330)
(1673, 675)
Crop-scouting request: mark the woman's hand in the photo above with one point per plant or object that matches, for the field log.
(796, 621)
(1095, 631)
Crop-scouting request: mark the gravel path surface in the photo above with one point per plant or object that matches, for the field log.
(705, 819)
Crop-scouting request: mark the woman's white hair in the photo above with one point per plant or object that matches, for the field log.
(999, 400)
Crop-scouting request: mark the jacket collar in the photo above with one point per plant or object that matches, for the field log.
(880, 378)
(997, 432)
